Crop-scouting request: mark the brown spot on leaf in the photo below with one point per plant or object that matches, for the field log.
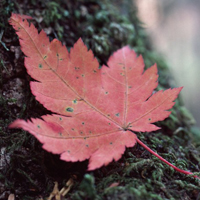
(69, 109)
(40, 66)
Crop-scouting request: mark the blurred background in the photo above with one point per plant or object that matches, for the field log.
(174, 29)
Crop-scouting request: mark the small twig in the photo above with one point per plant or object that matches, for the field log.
(67, 188)
(58, 194)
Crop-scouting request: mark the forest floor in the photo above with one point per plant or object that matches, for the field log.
(29, 172)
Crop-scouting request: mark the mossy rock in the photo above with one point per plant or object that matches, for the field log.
(30, 172)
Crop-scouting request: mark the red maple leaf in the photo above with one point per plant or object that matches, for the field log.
(97, 109)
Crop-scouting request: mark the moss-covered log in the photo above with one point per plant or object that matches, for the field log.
(29, 172)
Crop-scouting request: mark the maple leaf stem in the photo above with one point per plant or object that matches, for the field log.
(162, 159)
